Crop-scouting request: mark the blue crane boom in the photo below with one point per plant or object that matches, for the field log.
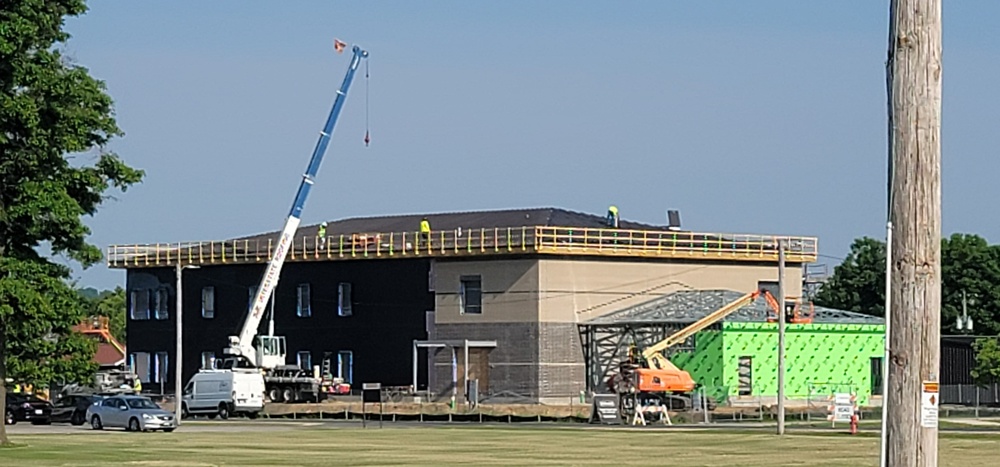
(272, 348)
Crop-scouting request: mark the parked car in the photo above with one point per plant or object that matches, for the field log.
(27, 408)
(133, 413)
(72, 408)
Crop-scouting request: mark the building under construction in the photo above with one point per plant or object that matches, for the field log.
(512, 299)
(736, 357)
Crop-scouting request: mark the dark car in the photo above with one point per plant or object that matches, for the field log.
(27, 408)
(72, 408)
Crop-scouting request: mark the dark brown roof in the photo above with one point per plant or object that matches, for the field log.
(529, 217)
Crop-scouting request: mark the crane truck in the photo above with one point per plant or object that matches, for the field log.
(266, 354)
(650, 377)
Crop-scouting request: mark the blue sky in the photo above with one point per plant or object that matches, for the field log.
(750, 117)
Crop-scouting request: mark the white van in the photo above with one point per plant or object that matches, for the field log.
(224, 392)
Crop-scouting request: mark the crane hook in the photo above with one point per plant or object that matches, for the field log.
(367, 137)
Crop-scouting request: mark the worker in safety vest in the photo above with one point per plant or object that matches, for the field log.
(613, 216)
(17, 389)
(425, 229)
(322, 234)
(137, 386)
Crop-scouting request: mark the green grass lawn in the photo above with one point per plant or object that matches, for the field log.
(479, 446)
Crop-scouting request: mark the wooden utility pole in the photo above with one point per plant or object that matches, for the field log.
(914, 79)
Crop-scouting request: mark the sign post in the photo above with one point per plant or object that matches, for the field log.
(371, 393)
(605, 410)
(842, 409)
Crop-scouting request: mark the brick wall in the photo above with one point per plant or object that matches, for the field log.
(561, 370)
(513, 363)
(531, 360)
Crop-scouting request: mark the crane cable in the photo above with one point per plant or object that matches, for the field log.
(367, 137)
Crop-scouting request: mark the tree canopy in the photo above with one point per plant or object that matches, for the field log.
(987, 368)
(109, 304)
(52, 113)
(968, 264)
(858, 284)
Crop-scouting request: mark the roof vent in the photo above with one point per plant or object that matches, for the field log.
(673, 220)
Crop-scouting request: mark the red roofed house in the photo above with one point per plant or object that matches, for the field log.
(110, 352)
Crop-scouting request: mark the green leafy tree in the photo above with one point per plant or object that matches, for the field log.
(858, 284)
(987, 369)
(111, 304)
(50, 110)
(90, 293)
(969, 264)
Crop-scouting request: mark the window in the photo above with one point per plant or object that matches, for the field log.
(160, 367)
(113, 402)
(345, 365)
(139, 362)
(471, 295)
(207, 360)
(208, 302)
(770, 286)
(344, 307)
(251, 294)
(140, 304)
(876, 366)
(162, 303)
(303, 309)
(745, 375)
(304, 359)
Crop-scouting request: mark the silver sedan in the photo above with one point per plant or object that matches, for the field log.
(134, 413)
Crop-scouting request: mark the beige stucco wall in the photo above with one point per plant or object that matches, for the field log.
(576, 290)
(510, 290)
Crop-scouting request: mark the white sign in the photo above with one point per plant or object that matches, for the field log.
(929, 401)
(842, 408)
(842, 413)
(842, 399)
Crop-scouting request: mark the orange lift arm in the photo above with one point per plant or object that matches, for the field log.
(799, 315)
(653, 354)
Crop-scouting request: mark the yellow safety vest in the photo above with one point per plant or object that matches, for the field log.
(425, 226)
(613, 210)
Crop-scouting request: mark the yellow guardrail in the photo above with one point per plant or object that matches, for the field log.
(483, 241)
(662, 243)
